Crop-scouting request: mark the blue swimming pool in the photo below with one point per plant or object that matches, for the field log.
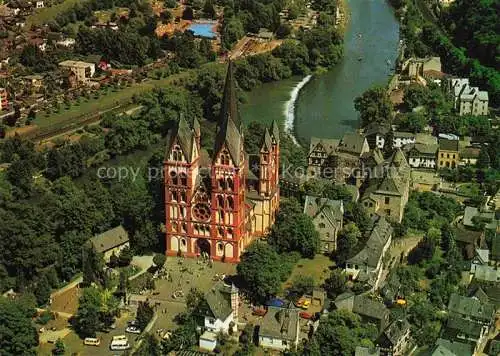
(203, 30)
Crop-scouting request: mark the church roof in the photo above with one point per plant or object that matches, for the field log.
(275, 131)
(184, 136)
(267, 142)
(229, 128)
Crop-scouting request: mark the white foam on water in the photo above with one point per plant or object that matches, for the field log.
(290, 108)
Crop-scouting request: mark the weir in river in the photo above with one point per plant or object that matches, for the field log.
(324, 106)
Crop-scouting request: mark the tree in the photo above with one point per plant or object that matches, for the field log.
(149, 346)
(294, 231)
(188, 13)
(374, 105)
(301, 285)
(87, 320)
(144, 315)
(388, 143)
(340, 333)
(92, 265)
(42, 290)
(483, 160)
(346, 242)
(18, 336)
(336, 284)
(356, 213)
(159, 260)
(209, 9)
(125, 256)
(260, 271)
(59, 347)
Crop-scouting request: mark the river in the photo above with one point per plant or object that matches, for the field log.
(324, 106)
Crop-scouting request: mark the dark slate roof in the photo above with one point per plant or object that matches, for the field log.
(495, 248)
(329, 145)
(333, 210)
(448, 145)
(183, 135)
(352, 143)
(373, 249)
(470, 307)
(229, 128)
(367, 307)
(219, 300)
(418, 149)
(396, 331)
(280, 323)
(452, 348)
(375, 128)
(275, 131)
(110, 239)
(464, 326)
(390, 177)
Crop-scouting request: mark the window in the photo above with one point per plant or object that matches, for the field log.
(183, 178)
(177, 153)
(221, 232)
(230, 184)
(447, 155)
(224, 158)
(321, 226)
(222, 184)
(453, 156)
(183, 242)
(388, 212)
(387, 200)
(442, 155)
(173, 177)
(230, 203)
(220, 201)
(220, 247)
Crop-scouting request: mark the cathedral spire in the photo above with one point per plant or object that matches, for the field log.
(229, 107)
(229, 128)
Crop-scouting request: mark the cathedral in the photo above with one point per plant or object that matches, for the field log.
(216, 204)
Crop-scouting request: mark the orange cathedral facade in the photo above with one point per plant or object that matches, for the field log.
(217, 204)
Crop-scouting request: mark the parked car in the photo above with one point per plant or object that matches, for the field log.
(259, 311)
(305, 315)
(133, 330)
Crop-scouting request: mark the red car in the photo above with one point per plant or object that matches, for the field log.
(305, 315)
(259, 312)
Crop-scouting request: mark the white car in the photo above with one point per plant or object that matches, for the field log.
(133, 330)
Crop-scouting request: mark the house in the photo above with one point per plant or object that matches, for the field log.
(4, 99)
(279, 328)
(495, 249)
(386, 191)
(83, 71)
(481, 258)
(469, 156)
(448, 154)
(467, 100)
(488, 274)
(320, 149)
(471, 308)
(469, 320)
(468, 240)
(375, 135)
(401, 139)
(39, 4)
(366, 265)
(223, 303)
(337, 160)
(111, 242)
(473, 218)
(420, 69)
(66, 42)
(451, 348)
(208, 341)
(33, 83)
(465, 331)
(371, 311)
(422, 155)
(327, 216)
(396, 338)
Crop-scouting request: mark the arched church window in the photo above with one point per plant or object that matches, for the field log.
(183, 196)
(177, 153)
(224, 158)
(220, 201)
(221, 232)
(222, 184)
(173, 177)
(183, 178)
(230, 203)
(220, 247)
(230, 184)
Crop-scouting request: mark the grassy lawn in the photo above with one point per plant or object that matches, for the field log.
(318, 268)
(469, 189)
(45, 15)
